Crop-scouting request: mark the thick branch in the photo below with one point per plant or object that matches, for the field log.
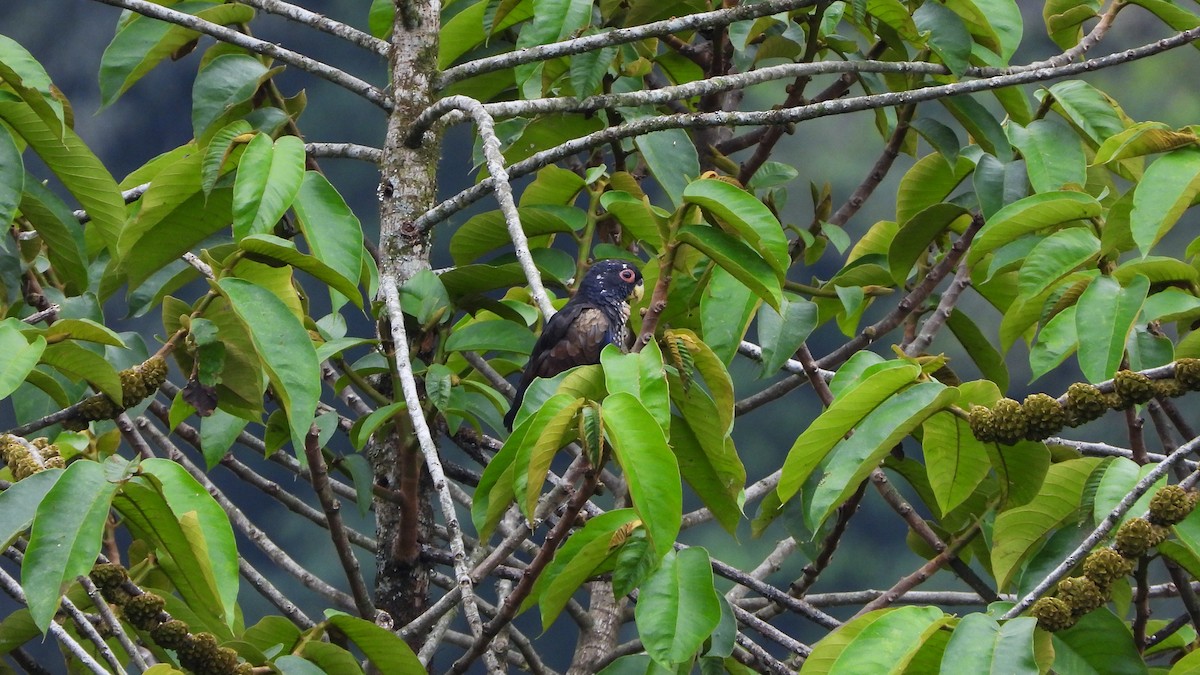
(322, 23)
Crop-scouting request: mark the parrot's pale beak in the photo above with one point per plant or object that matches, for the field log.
(638, 291)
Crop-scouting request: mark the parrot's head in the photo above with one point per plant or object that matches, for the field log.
(613, 281)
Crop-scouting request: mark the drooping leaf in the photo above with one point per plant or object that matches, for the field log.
(678, 607)
(286, 351)
(649, 465)
(1169, 186)
(1106, 313)
(268, 179)
(955, 461)
(747, 216)
(736, 258)
(1033, 213)
(383, 648)
(66, 537)
(333, 233)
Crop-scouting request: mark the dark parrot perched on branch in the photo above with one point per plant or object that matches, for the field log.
(575, 336)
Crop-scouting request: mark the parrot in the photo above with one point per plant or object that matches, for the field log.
(596, 316)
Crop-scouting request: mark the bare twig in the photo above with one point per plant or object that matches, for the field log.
(962, 279)
(296, 59)
(345, 151)
(337, 530)
(13, 589)
(322, 23)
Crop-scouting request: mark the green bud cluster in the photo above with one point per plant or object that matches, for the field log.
(1008, 419)
(1137, 536)
(1132, 388)
(1044, 416)
(142, 610)
(136, 384)
(1171, 504)
(1187, 371)
(1053, 614)
(170, 634)
(1084, 403)
(1082, 594)
(200, 654)
(22, 461)
(1104, 566)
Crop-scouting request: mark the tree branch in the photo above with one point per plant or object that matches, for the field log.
(322, 23)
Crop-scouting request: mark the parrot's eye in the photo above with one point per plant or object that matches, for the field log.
(627, 276)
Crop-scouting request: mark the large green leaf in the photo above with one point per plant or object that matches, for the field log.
(214, 537)
(745, 215)
(671, 157)
(955, 461)
(917, 233)
(268, 179)
(142, 43)
(928, 182)
(20, 357)
(19, 502)
(143, 506)
(847, 411)
(284, 251)
(1055, 342)
(726, 308)
(577, 559)
(1053, 155)
(736, 258)
(83, 174)
(1088, 109)
(66, 537)
(649, 465)
(678, 607)
(1106, 313)
(948, 36)
(12, 176)
(1100, 644)
(1054, 257)
(383, 648)
(286, 351)
(882, 641)
(781, 333)
(709, 464)
(493, 335)
(553, 20)
(1169, 186)
(1033, 213)
(487, 231)
(331, 229)
(30, 82)
(223, 90)
(1020, 530)
(642, 375)
(82, 365)
(60, 231)
(533, 459)
(850, 461)
(981, 645)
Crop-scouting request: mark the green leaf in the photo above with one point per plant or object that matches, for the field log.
(928, 182)
(383, 648)
(850, 461)
(882, 641)
(83, 174)
(220, 147)
(745, 215)
(642, 375)
(678, 607)
(20, 357)
(556, 431)
(955, 461)
(330, 228)
(284, 251)
(781, 333)
(736, 258)
(12, 176)
(998, 184)
(1033, 213)
(576, 560)
(979, 122)
(19, 502)
(848, 410)
(1105, 316)
(365, 427)
(1064, 17)
(60, 230)
(649, 466)
(82, 365)
(726, 308)
(553, 20)
(30, 82)
(917, 233)
(465, 30)
(180, 552)
(636, 215)
(268, 179)
(1055, 342)
(286, 351)
(671, 157)
(66, 537)
(986, 357)
(1019, 531)
(1099, 643)
(1143, 138)
(1087, 108)
(710, 465)
(947, 35)
(223, 88)
(1169, 186)
(487, 231)
(981, 645)
(485, 336)
(142, 43)
(1055, 257)
(1053, 155)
